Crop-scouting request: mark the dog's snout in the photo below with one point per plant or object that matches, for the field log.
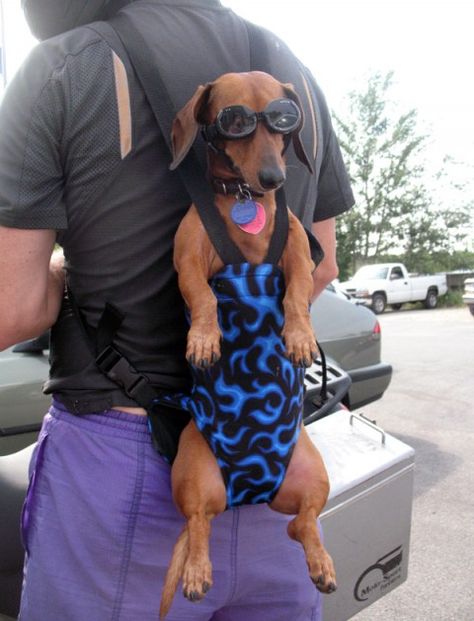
(271, 177)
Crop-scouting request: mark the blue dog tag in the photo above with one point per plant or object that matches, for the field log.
(243, 213)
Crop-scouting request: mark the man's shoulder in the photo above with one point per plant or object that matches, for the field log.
(50, 57)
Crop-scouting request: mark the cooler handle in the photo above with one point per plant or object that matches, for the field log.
(369, 423)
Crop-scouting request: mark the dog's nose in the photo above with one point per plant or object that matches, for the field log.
(271, 177)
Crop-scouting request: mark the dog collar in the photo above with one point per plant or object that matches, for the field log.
(233, 187)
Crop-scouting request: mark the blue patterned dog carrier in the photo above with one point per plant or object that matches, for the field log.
(249, 404)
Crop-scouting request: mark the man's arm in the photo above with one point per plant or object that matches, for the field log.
(31, 284)
(32, 207)
(327, 270)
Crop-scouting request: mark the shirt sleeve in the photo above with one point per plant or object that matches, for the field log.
(334, 189)
(31, 173)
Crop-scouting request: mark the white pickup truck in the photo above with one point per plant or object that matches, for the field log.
(390, 283)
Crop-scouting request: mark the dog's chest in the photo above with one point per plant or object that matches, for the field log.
(253, 246)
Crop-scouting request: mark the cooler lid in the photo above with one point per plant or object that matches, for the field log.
(355, 451)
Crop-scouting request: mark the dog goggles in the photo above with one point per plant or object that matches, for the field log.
(281, 116)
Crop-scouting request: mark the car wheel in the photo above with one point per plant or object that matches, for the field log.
(378, 303)
(431, 300)
(396, 306)
(471, 308)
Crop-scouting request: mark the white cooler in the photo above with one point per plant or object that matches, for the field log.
(366, 521)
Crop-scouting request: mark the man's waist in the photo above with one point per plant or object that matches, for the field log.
(79, 399)
(136, 411)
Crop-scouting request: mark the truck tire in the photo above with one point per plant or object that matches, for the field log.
(396, 306)
(471, 308)
(431, 300)
(379, 302)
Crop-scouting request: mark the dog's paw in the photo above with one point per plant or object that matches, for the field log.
(203, 347)
(301, 347)
(321, 570)
(197, 580)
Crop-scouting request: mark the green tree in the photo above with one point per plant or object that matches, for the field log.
(396, 211)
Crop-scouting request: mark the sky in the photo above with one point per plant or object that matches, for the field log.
(427, 43)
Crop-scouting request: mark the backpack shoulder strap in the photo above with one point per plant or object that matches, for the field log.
(190, 170)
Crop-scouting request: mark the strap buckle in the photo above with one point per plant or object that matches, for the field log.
(118, 369)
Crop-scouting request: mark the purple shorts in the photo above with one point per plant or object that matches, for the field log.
(99, 526)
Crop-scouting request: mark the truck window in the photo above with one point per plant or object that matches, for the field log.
(396, 273)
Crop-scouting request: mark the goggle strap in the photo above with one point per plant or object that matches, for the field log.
(209, 134)
(286, 142)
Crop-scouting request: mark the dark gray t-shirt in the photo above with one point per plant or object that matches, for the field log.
(81, 153)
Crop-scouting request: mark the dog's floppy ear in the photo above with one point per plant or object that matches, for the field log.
(186, 124)
(297, 144)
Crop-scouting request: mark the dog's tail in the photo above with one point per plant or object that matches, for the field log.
(174, 573)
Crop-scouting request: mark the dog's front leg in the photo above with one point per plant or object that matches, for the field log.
(204, 336)
(193, 259)
(297, 266)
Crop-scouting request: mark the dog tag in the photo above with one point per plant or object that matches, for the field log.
(243, 212)
(256, 225)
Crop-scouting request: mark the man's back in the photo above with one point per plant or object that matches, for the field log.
(81, 155)
(118, 205)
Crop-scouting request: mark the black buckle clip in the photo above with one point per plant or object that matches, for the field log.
(117, 368)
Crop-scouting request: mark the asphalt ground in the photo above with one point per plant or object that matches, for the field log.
(429, 405)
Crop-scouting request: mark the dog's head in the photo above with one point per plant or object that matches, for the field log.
(259, 156)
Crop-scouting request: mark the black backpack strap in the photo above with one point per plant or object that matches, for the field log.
(190, 170)
(165, 417)
(112, 363)
(317, 253)
(192, 174)
(260, 60)
(280, 232)
(259, 54)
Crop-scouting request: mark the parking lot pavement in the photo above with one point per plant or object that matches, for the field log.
(429, 405)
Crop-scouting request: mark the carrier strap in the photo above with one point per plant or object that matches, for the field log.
(110, 361)
(191, 172)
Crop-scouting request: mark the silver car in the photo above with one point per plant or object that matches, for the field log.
(348, 334)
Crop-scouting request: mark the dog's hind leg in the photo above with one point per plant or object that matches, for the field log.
(197, 571)
(303, 528)
(199, 493)
(304, 492)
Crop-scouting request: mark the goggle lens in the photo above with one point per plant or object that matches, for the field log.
(281, 115)
(236, 121)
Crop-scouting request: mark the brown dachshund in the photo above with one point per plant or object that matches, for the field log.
(256, 160)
